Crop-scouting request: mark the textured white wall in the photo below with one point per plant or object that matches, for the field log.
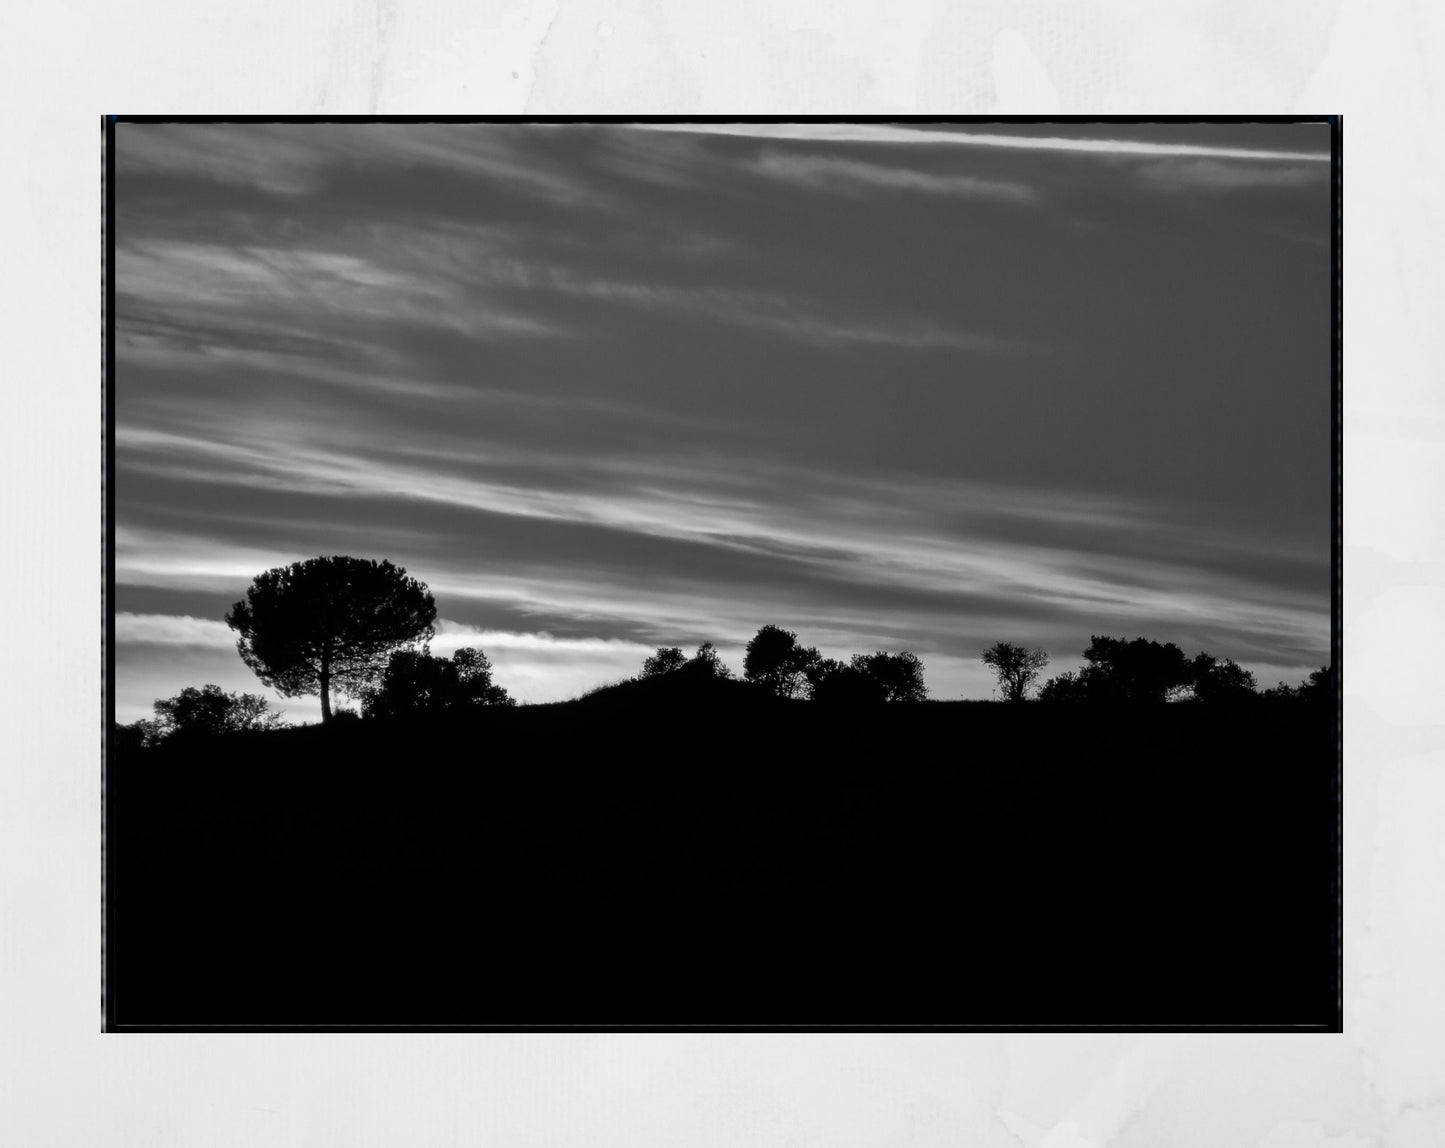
(63, 64)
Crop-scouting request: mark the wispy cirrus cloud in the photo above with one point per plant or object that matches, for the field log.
(534, 665)
(1218, 175)
(272, 288)
(789, 316)
(236, 283)
(173, 630)
(634, 386)
(773, 312)
(874, 133)
(294, 160)
(852, 176)
(163, 654)
(833, 541)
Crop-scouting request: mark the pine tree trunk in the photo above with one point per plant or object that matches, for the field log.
(324, 680)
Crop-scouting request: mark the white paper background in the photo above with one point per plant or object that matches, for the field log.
(63, 64)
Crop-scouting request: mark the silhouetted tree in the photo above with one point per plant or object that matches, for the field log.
(1065, 687)
(1214, 680)
(819, 670)
(329, 622)
(126, 738)
(207, 711)
(474, 680)
(413, 682)
(1017, 668)
(1318, 687)
(707, 663)
(667, 659)
(1135, 671)
(774, 660)
(847, 686)
(900, 675)
(418, 682)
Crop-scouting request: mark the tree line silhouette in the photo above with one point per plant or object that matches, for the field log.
(783, 827)
(361, 627)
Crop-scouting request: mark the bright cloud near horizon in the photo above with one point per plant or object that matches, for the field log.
(610, 387)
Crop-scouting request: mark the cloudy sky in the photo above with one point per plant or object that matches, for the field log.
(608, 387)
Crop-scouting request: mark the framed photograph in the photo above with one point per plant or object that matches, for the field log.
(723, 574)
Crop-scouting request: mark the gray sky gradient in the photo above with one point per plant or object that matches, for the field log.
(605, 388)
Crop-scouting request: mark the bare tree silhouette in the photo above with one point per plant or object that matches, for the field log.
(1016, 667)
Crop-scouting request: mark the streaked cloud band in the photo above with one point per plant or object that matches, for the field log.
(892, 134)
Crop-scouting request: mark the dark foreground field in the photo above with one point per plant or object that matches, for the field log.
(649, 861)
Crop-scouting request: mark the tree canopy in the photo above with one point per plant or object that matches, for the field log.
(822, 670)
(1138, 670)
(207, 711)
(329, 623)
(899, 675)
(1317, 687)
(667, 659)
(417, 681)
(1320, 685)
(707, 663)
(1065, 687)
(844, 685)
(1016, 667)
(1216, 679)
(775, 660)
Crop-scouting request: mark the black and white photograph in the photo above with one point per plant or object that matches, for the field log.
(853, 574)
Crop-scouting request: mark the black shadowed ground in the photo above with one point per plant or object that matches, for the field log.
(656, 857)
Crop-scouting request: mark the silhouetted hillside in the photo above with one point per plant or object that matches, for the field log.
(696, 852)
(691, 685)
